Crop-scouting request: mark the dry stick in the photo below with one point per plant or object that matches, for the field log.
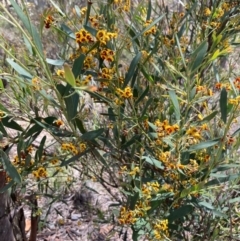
(34, 217)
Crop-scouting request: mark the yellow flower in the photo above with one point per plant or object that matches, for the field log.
(58, 123)
(207, 12)
(61, 73)
(82, 147)
(127, 93)
(126, 216)
(40, 172)
(194, 132)
(134, 171)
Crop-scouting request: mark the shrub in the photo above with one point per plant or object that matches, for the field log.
(161, 128)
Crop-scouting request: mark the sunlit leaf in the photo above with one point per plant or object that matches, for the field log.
(69, 75)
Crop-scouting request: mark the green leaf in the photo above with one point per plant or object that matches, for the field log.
(193, 189)
(141, 97)
(28, 45)
(78, 65)
(30, 28)
(33, 130)
(111, 114)
(72, 105)
(175, 103)
(149, 27)
(149, 10)
(153, 162)
(132, 68)
(55, 62)
(98, 96)
(206, 205)
(220, 180)
(132, 33)
(199, 55)
(58, 8)
(6, 187)
(99, 156)
(88, 136)
(69, 76)
(91, 30)
(204, 145)
(68, 31)
(234, 200)
(89, 5)
(20, 70)
(9, 168)
(53, 129)
(40, 149)
(136, 138)
(152, 126)
(74, 158)
(10, 123)
(78, 11)
(223, 105)
(3, 130)
(149, 102)
(180, 212)
(80, 126)
(209, 117)
(71, 99)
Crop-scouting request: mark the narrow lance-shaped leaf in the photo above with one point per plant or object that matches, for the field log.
(20, 70)
(10, 169)
(145, 92)
(149, 26)
(223, 105)
(55, 62)
(204, 145)
(132, 68)
(199, 55)
(149, 11)
(30, 28)
(69, 75)
(175, 103)
(78, 64)
(88, 136)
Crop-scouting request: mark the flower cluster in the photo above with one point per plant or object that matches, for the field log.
(124, 5)
(70, 147)
(236, 83)
(60, 72)
(36, 84)
(161, 229)
(48, 21)
(107, 54)
(126, 93)
(164, 129)
(83, 37)
(41, 172)
(58, 123)
(152, 30)
(89, 62)
(107, 73)
(234, 101)
(103, 36)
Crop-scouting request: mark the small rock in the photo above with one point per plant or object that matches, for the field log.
(75, 216)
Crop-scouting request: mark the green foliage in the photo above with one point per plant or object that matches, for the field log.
(140, 102)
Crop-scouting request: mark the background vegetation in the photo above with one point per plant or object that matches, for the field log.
(138, 97)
